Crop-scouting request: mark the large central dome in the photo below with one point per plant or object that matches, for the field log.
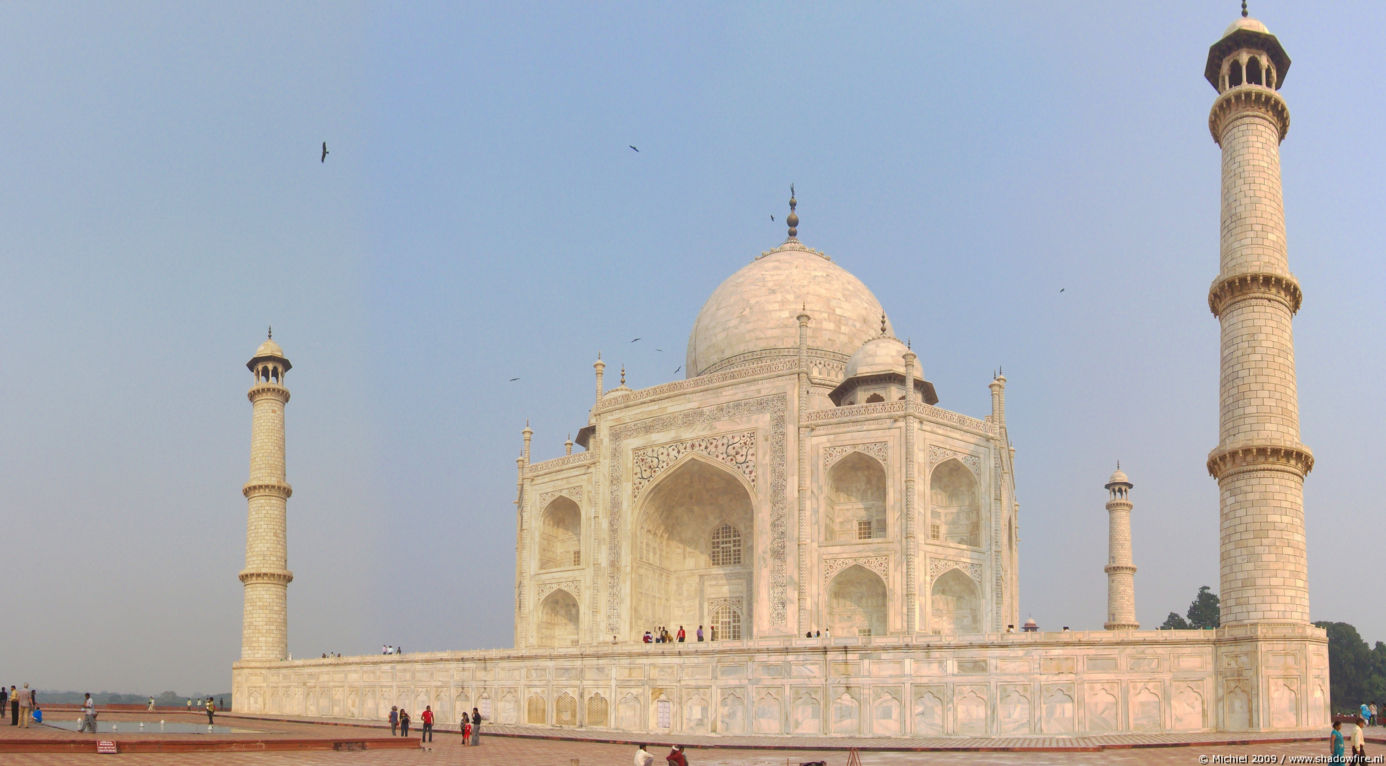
(752, 314)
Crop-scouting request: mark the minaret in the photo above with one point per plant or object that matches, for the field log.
(265, 625)
(1121, 575)
(1259, 462)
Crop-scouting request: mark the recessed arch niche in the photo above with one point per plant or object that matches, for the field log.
(955, 604)
(856, 499)
(558, 620)
(560, 535)
(857, 603)
(694, 543)
(955, 512)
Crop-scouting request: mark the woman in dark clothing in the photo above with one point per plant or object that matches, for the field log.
(403, 723)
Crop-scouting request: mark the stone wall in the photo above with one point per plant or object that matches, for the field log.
(1072, 683)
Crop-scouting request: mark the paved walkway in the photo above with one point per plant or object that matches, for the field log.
(746, 751)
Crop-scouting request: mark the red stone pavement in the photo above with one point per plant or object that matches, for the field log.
(498, 748)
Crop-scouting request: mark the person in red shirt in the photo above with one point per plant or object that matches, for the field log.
(675, 756)
(681, 635)
(427, 724)
(466, 730)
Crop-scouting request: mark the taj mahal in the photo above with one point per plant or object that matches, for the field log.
(850, 546)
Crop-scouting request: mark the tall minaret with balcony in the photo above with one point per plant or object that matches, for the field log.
(1259, 462)
(1121, 573)
(265, 624)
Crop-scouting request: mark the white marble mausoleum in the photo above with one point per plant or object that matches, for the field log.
(850, 547)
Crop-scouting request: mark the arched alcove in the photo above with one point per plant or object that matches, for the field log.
(955, 605)
(558, 620)
(856, 499)
(560, 535)
(955, 513)
(694, 542)
(857, 603)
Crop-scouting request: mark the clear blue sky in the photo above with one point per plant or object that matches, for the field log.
(481, 218)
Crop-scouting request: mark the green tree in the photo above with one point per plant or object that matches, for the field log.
(1349, 666)
(1175, 622)
(1205, 612)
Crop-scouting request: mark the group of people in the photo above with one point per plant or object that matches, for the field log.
(400, 720)
(23, 704)
(389, 649)
(675, 756)
(661, 635)
(1336, 745)
(1368, 711)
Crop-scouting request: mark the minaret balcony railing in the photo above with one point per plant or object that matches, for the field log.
(1244, 98)
(1236, 287)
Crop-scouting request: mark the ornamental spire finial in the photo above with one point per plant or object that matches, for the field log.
(269, 335)
(793, 219)
(623, 374)
(1243, 8)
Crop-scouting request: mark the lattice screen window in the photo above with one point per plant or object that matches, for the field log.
(728, 622)
(726, 546)
(863, 530)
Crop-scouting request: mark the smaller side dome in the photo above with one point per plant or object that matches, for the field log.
(881, 354)
(1246, 22)
(1118, 477)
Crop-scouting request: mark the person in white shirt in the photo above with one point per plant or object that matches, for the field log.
(88, 715)
(643, 758)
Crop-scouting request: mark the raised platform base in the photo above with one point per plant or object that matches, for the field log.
(1254, 678)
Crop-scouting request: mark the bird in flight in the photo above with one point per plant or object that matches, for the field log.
(512, 380)
(632, 340)
(660, 350)
(633, 149)
(676, 369)
(324, 152)
(772, 216)
(1061, 289)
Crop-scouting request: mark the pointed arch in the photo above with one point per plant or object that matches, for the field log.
(955, 604)
(857, 599)
(955, 510)
(693, 542)
(558, 620)
(856, 499)
(560, 535)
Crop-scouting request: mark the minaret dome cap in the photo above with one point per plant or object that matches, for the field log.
(1118, 477)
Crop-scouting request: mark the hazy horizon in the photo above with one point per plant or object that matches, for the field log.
(481, 218)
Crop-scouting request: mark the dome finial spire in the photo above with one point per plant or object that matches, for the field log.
(793, 219)
(883, 324)
(1243, 8)
(269, 335)
(623, 374)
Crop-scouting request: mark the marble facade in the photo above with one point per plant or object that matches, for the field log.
(802, 479)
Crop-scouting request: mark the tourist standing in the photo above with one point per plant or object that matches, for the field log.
(211, 710)
(675, 756)
(427, 718)
(403, 722)
(643, 758)
(1335, 742)
(394, 720)
(88, 715)
(26, 703)
(14, 706)
(700, 634)
(466, 729)
(1359, 742)
(476, 726)
(681, 634)
(4, 700)
(151, 705)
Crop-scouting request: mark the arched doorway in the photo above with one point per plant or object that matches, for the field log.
(560, 535)
(558, 620)
(856, 500)
(857, 603)
(955, 515)
(955, 605)
(693, 549)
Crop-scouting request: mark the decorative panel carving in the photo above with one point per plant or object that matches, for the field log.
(878, 450)
(736, 450)
(878, 564)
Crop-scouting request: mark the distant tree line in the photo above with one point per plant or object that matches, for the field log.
(163, 699)
(1357, 673)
